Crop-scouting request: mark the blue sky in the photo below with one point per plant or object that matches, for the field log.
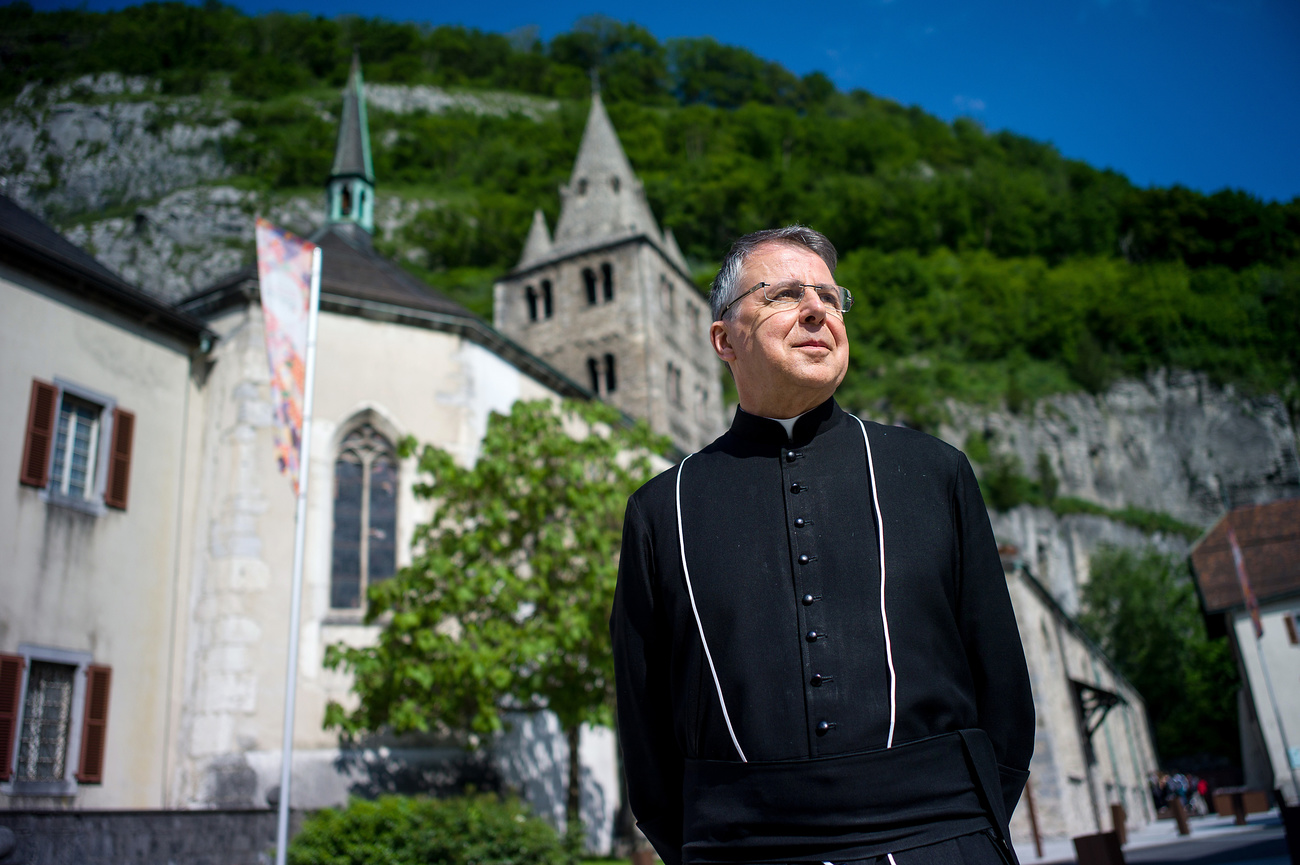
(1205, 93)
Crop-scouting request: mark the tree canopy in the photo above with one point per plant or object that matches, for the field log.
(506, 603)
(1141, 608)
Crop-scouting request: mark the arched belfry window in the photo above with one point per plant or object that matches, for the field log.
(607, 280)
(365, 516)
(530, 295)
(345, 206)
(611, 380)
(589, 281)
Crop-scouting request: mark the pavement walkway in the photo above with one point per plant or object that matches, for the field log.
(1060, 850)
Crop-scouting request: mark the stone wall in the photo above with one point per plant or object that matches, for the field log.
(139, 837)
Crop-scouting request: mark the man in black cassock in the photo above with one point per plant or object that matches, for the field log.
(816, 655)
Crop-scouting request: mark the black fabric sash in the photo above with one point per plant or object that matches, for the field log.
(850, 806)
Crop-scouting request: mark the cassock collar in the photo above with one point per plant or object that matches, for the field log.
(763, 430)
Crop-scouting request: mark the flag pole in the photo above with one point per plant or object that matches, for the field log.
(299, 544)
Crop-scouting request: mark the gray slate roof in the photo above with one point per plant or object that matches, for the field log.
(29, 243)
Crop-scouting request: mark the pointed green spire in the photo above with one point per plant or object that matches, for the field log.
(351, 188)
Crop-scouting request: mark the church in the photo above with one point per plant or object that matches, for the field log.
(144, 626)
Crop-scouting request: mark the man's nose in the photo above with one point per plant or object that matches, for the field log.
(811, 308)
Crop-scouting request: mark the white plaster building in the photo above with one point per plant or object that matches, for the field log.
(102, 385)
(1092, 746)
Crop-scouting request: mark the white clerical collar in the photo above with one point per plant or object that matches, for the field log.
(787, 422)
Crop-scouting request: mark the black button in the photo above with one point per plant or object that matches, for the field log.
(790, 456)
(817, 679)
(798, 522)
(794, 488)
(807, 600)
(823, 727)
(803, 560)
(811, 636)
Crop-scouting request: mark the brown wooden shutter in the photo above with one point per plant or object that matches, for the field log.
(1291, 635)
(40, 434)
(119, 459)
(11, 681)
(94, 727)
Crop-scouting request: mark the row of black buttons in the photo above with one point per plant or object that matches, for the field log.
(817, 680)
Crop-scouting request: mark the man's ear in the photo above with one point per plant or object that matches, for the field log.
(721, 341)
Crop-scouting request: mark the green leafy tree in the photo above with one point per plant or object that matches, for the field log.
(506, 603)
(1141, 608)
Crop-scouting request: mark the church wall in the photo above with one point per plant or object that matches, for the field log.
(97, 583)
(1070, 797)
(403, 380)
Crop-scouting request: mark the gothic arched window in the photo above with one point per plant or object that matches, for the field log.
(548, 300)
(589, 280)
(607, 279)
(345, 204)
(365, 516)
(593, 371)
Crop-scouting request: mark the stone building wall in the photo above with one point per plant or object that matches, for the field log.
(1072, 795)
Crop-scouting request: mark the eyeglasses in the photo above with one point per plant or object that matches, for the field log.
(788, 295)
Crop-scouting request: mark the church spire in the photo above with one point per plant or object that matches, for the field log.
(538, 243)
(351, 187)
(603, 198)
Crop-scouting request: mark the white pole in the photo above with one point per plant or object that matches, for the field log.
(1277, 714)
(299, 543)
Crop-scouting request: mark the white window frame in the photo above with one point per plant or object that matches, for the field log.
(68, 786)
(94, 503)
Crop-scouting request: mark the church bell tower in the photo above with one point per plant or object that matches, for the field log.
(351, 187)
(609, 300)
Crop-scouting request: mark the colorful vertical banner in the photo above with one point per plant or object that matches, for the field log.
(284, 273)
(1252, 604)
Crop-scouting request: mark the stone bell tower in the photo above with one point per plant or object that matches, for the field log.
(609, 300)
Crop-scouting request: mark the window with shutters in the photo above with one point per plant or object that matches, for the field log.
(47, 722)
(54, 708)
(365, 516)
(77, 447)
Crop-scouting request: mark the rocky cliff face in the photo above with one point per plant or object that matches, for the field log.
(1172, 443)
(104, 141)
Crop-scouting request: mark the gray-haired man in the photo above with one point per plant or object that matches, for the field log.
(816, 654)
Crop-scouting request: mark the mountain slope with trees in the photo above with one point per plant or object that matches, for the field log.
(987, 265)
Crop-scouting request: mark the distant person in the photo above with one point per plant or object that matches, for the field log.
(817, 659)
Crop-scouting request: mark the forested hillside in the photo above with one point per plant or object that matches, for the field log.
(987, 266)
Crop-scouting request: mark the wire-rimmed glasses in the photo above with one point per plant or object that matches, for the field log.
(787, 295)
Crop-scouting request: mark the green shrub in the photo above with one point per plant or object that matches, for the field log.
(403, 830)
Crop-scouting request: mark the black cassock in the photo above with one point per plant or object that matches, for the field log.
(772, 706)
